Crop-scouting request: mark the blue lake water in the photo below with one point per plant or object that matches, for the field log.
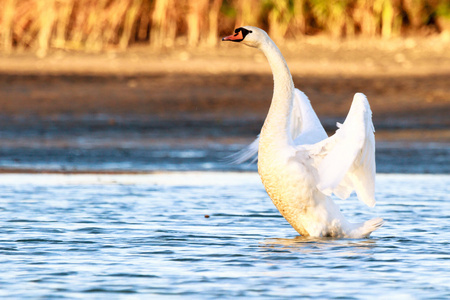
(145, 236)
(133, 144)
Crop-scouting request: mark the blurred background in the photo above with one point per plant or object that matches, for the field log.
(90, 25)
(140, 85)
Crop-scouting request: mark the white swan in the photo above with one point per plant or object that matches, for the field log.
(300, 166)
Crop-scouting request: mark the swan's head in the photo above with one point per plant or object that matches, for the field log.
(248, 35)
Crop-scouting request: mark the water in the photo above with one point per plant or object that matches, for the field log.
(146, 237)
(93, 144)
(127, 236)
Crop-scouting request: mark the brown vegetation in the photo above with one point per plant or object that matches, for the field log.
(96, 25)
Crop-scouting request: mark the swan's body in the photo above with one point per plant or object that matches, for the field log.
(300, 166)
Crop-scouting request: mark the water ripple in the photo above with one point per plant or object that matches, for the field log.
(146, 236)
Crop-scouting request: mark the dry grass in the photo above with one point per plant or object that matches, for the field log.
(96, 25)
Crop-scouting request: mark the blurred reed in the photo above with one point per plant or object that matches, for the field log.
(98, 25)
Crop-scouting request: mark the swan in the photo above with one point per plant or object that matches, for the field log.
(299, 165)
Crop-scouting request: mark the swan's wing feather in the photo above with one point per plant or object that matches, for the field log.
(305, 129)
(345, 162)
(248, 153)
(305, 125)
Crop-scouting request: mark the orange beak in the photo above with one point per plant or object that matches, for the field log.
(237, 37)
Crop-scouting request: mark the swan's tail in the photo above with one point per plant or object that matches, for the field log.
(370, 226)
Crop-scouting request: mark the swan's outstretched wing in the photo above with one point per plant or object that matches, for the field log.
(345, 162)
(305, 125)
(305, 129)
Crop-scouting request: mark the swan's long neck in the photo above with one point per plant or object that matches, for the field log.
(276, 125)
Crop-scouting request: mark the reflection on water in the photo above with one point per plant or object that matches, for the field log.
(146, 236)
(312, 245)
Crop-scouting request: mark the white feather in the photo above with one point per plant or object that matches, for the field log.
(305, 129)
(250, 152)
(346, 160)
(305, 125)
(300, 166)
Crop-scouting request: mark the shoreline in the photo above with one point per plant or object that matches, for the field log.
(396, 102)
(310, 55)
(142, 111)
